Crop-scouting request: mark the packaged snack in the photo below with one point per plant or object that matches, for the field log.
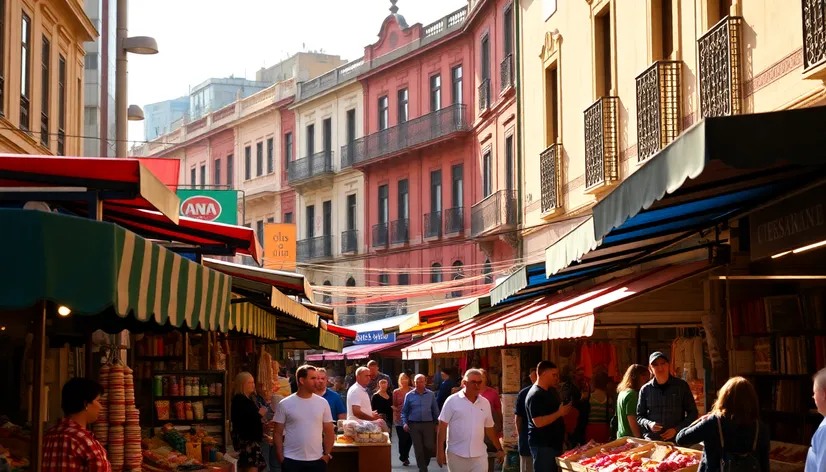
(162, 409)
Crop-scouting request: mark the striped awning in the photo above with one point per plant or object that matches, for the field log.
(283, 303)
(254, 320)
(94, 267)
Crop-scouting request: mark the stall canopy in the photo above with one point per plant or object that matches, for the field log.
(114, 182)
(289, 283)
(715, 156)
(93, 268)
(434, 317)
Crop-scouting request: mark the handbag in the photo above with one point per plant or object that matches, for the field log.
(738, 462)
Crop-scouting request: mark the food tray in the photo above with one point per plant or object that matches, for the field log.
(782, 466)
(572, 463)
(650, 447)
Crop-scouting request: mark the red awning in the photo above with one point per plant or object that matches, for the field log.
(166, 170)
(339, 330)
(364, 351)
(124, 182)
(289, 283)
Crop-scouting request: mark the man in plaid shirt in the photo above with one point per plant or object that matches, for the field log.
(666, 404)
(69, 446)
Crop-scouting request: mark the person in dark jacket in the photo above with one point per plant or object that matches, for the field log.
(735, 413)
(666, 404)
(247, 425)
(446, 387)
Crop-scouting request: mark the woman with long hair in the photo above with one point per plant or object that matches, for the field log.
(383, 403)
(629, 391)
(247, 425)
(405, 440)
(734, 418)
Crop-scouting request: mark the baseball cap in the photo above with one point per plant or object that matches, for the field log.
(656, 355)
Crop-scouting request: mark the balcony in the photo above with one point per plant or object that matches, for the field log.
(348, 151)
(311, 249)
(349, 241)
(550, 178)
(400, 231)
(493, 213)
(484, 95)
(454, 221)
(307, 168)
(814, 37)
(659, 107)
(433, 225)
(721, 79)
(380, 235)
(601, 144)
(506, 72)
(426, 129)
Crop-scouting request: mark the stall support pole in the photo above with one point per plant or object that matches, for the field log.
(37, 386)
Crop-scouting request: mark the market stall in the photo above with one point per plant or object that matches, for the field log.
(362, 446)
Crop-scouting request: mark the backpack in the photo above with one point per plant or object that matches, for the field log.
(731, 462)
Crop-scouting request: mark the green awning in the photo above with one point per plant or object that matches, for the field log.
(94, 267)
(251, 319)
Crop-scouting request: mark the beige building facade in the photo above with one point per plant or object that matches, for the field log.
(606, 84)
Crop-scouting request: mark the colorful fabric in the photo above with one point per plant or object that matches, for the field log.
(68, 447)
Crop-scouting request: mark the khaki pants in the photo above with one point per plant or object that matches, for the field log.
(466, 464)
(424, 443)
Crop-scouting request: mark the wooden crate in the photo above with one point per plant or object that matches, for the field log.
(572, 463)
(653, 444)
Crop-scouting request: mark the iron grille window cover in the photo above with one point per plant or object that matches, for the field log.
(400, 231)
(550, 178)
(506, 72)
(380, 235)
(601, 143)
(349, 241)
(319, 247)
(720, 73)
(484, 95)
(308, 167)
(454, 220)
(814, 33)
(433, 224)
(659, 107)
(432, 126)
(495, 211)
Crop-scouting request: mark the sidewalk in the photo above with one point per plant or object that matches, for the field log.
(398, 467)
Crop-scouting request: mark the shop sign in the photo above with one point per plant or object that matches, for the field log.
(790, 224)
(375, 337)
(279, 246)
(219, 206)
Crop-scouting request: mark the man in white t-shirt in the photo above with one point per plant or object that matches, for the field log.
(464, 421)
(358, 398)
(302, 424)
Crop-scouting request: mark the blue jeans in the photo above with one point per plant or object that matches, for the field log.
(544, 458)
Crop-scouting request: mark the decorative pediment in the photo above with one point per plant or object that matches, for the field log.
(553, 40)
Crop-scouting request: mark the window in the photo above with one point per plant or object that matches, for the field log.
(351, 301)
(485, 61)
(2, 57)
(288, 147)
(45, 82)
(384, 280)
(327, 218)
(402, 111)
(25, 72)
(436, 191)
(310, 221)
(270, 156)
(351, 212)
(458, 274)
(310, 140)
(384, 208)
(203, 175)
(435, 92)
(487, 271)
(509, 165)
(61, 100)
(404, 279)
(435, 273)
(551, 106)
(193, 178)
(404, 200)
(230, 170)
(662, 29)
(327, 299)
(247, 163)
(259, 159)
(508, 29)
(271, 219)
(384, 113)
(216, 174)
(259, 229)
(456, 84)
(716, 10)
(602, 39)
(487, 174)
(288, 217)
(351, 125)
(327, 138)
(457, 189)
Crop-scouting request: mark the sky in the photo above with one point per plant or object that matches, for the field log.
(200, 39)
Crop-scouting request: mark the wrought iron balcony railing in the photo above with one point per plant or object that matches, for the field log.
(814, 33)
(418, 131)
(380, 235)
(347, 153)
(308, 167)
(433, 224)
(494, 211)
(601, 143)
(454, 220)
(506, 71)
(320, 247)
(400, 231)
(720, 74)
(659, 107)
(484, 95)
(349, 241)
(550, 177)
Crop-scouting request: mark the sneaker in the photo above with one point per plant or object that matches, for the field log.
(406, 463)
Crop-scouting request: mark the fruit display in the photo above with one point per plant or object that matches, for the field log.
(579, 450)
(362, 431)
(648, 458)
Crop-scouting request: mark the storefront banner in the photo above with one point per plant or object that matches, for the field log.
(789, 224)
(375, 337)
(279, 246)
(219, 206)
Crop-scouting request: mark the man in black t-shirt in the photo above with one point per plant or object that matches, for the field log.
(546, 429)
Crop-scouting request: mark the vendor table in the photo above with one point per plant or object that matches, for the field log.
(360, 457)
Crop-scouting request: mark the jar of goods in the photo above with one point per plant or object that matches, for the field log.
(219, 389)
(211, 390)
(165, 383)
(204, 390)
(181, 390)
(189, 414)
(188, 388)
(173, 387)
(157, 385)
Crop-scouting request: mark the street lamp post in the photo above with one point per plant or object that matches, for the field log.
(125, 44)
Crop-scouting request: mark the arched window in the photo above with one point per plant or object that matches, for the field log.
(458, 273)
(328, 297)
(435, 273)
(351, 301)
(488, 272)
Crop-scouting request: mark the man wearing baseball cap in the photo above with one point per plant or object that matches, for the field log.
(666, 404)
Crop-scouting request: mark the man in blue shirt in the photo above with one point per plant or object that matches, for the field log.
(816, 460)
(337, 408)
(521, 420)
(420, 417)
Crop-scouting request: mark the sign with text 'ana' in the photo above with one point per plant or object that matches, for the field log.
(218, 206)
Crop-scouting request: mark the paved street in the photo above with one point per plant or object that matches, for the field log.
(398, 467)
